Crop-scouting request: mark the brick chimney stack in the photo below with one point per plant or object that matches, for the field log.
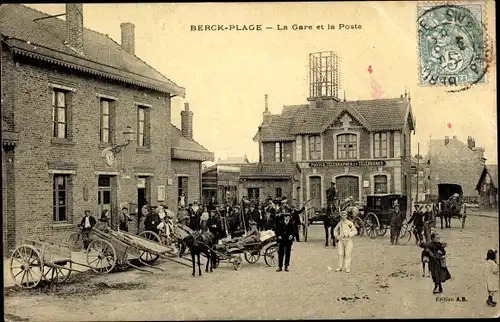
(74, 26)
(266, 116)
(128, 37)
(446, 140)
(187, 122)
(471, 144)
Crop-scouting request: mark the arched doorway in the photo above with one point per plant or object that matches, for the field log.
(315, 191)
(347, 186)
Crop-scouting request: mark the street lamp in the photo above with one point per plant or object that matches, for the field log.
(129, 137)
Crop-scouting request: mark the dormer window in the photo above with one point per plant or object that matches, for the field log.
(380, 145)
(315, 147)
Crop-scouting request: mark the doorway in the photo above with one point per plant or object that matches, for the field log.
(143, 196)
(106, 196)
(347, 186)
(315, 191)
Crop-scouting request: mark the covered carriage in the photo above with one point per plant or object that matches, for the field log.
(451, 203)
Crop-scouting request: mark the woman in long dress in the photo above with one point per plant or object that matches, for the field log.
(437, 262)
(491, 275)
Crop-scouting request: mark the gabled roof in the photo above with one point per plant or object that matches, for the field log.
(44, 39)
(234, 160)
(186, 149)
(492, 171)
(374, 115)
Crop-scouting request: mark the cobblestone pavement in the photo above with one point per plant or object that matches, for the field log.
(385, 282)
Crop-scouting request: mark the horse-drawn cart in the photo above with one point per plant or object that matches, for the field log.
(451, 204)
(108, 250)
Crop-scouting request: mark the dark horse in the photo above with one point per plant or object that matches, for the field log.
(330, 219)
(199, 243)
(448, 209)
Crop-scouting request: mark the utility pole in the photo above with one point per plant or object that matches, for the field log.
(418, 168)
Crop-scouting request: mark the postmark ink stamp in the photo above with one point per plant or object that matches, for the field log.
(451, 39)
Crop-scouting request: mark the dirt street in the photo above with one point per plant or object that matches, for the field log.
(385, 282)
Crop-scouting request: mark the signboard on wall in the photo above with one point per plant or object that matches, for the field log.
(319, 164)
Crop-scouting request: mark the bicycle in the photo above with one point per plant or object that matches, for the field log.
(78, 240)
(405, 233)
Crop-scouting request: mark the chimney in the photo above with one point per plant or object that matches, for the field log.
(446, 140)
(454, 137)
(187, 122)
(128, 37)
(74, 26)
(470, 142)
(479, 152)
(266, 116)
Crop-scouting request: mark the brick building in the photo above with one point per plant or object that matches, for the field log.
(83, 125)
(363, 146)
(450, 160)
(487, 187)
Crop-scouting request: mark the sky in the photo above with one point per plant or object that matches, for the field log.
(227, 73)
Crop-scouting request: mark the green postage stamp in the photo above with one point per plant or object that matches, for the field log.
(451, 39)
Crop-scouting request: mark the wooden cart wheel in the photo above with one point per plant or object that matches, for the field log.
(75, 241)
(271, 255)
(147, 257)
(101, 256)
(237, 264)
(252, 256)
(371, 225)
(58, 274)
(26, 266)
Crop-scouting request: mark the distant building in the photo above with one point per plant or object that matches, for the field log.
(487, 187)
(418, 173)
(233, 160)
(449, 160)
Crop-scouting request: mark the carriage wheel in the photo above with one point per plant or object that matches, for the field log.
(147, 257)
(382, 229)
(252, 256)
(26, 266)
(75, 241)
(101, 256)
(237, 263)
(58, 274)
(216, 262)
(271, 255)
(371, 225)
(360, 226)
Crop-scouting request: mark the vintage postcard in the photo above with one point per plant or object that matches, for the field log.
(244, 161)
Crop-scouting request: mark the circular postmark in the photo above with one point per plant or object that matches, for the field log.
(452, 47)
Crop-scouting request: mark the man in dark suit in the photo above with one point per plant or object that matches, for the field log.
(296, 220)
(331, 195)
(88, 221)
(396, 224)
(285, 232)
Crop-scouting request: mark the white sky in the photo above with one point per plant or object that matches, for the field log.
(227, 73)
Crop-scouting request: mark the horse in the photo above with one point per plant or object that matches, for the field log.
(199, 243)
(445, 211)
(330, 217)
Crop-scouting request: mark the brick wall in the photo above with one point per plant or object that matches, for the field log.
(267, 188)
(192, 169)
(35, 150)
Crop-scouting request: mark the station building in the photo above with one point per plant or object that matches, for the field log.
(86, 124)
(362, 146)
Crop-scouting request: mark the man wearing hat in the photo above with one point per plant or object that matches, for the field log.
(194, 216)
(296, 220)
(396, 224)
(418, 223)
(331, 195)
(285, 233)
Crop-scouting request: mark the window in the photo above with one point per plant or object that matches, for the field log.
(59, 114)
(60, 198)
(278, 192)
(347, 146)
(143, 127)
(253, 194)
(404, 145)
(298, 148)
(380, 145)
(105, 123)
(315, 147)
(279, 151)
(380, 185)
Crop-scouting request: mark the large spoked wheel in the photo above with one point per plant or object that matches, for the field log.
(252, 257)
(75, 241)
(58, 274)
(383, 229)
(101, 256)
(371, 225)
(146, 256)
(360, 226)
(405, 234)
(271, 255)
(26, 266)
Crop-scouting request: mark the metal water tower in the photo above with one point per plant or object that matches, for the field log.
(324, 76)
